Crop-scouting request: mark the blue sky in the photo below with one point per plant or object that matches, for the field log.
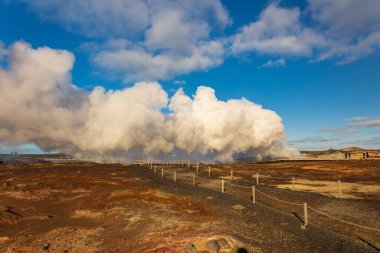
(315, 63)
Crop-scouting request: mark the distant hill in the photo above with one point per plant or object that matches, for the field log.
(332, 151)
(353, 149)
(30, 158)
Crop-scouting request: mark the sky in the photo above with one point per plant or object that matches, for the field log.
(316, 63)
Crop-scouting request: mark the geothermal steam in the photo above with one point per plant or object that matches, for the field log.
(39, 104)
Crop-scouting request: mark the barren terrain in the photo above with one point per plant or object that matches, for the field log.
(90, 207)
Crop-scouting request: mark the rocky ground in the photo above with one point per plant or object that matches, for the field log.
(89, 207)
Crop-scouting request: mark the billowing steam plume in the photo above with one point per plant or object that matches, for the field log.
(39, 104)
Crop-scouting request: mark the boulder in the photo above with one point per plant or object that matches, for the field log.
(212, 246)
(190, 249)
(223, 244)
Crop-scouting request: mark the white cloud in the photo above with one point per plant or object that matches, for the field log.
(37, 101)
(199, 9)
(165, 38)
(118, 19)
(342, 30)
(145, 39)
(314, 139)
(278, 31)
(346, 19)
(362, 118)
(276, 63)
(38, 104)
(346, 53)
(112, 18)
(207, 125)
(139, 64)
(364, 121)
(168, 31)
(367, 123)
(339, 130)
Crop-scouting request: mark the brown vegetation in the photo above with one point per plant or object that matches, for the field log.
(88, 207)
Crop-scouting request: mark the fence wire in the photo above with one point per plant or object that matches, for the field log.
(277, 199)
(347, 222)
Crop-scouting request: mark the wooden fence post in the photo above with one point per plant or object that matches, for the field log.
(209, 171)
(188, 165)
(232, 174)
(293, 183)
(305, 216)
(257, 178)
(155, 169)
(253, 195)
(197, 167)
(175, 176)
(162, 172)
(222, 185)
(193, 179)
(340, 189)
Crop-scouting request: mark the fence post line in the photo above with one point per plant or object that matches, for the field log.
(175, 176)
(305, 216)
(222, 185)
(162, 172)
(340, 189)
(253, 195)
(257, 178)
(209, 171)
(232, 174)
(193, 179)
(293, 183)
(197, 167)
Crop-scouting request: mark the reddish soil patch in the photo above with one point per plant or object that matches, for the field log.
(88, 207)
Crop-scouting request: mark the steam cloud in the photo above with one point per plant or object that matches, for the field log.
(39, 104)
